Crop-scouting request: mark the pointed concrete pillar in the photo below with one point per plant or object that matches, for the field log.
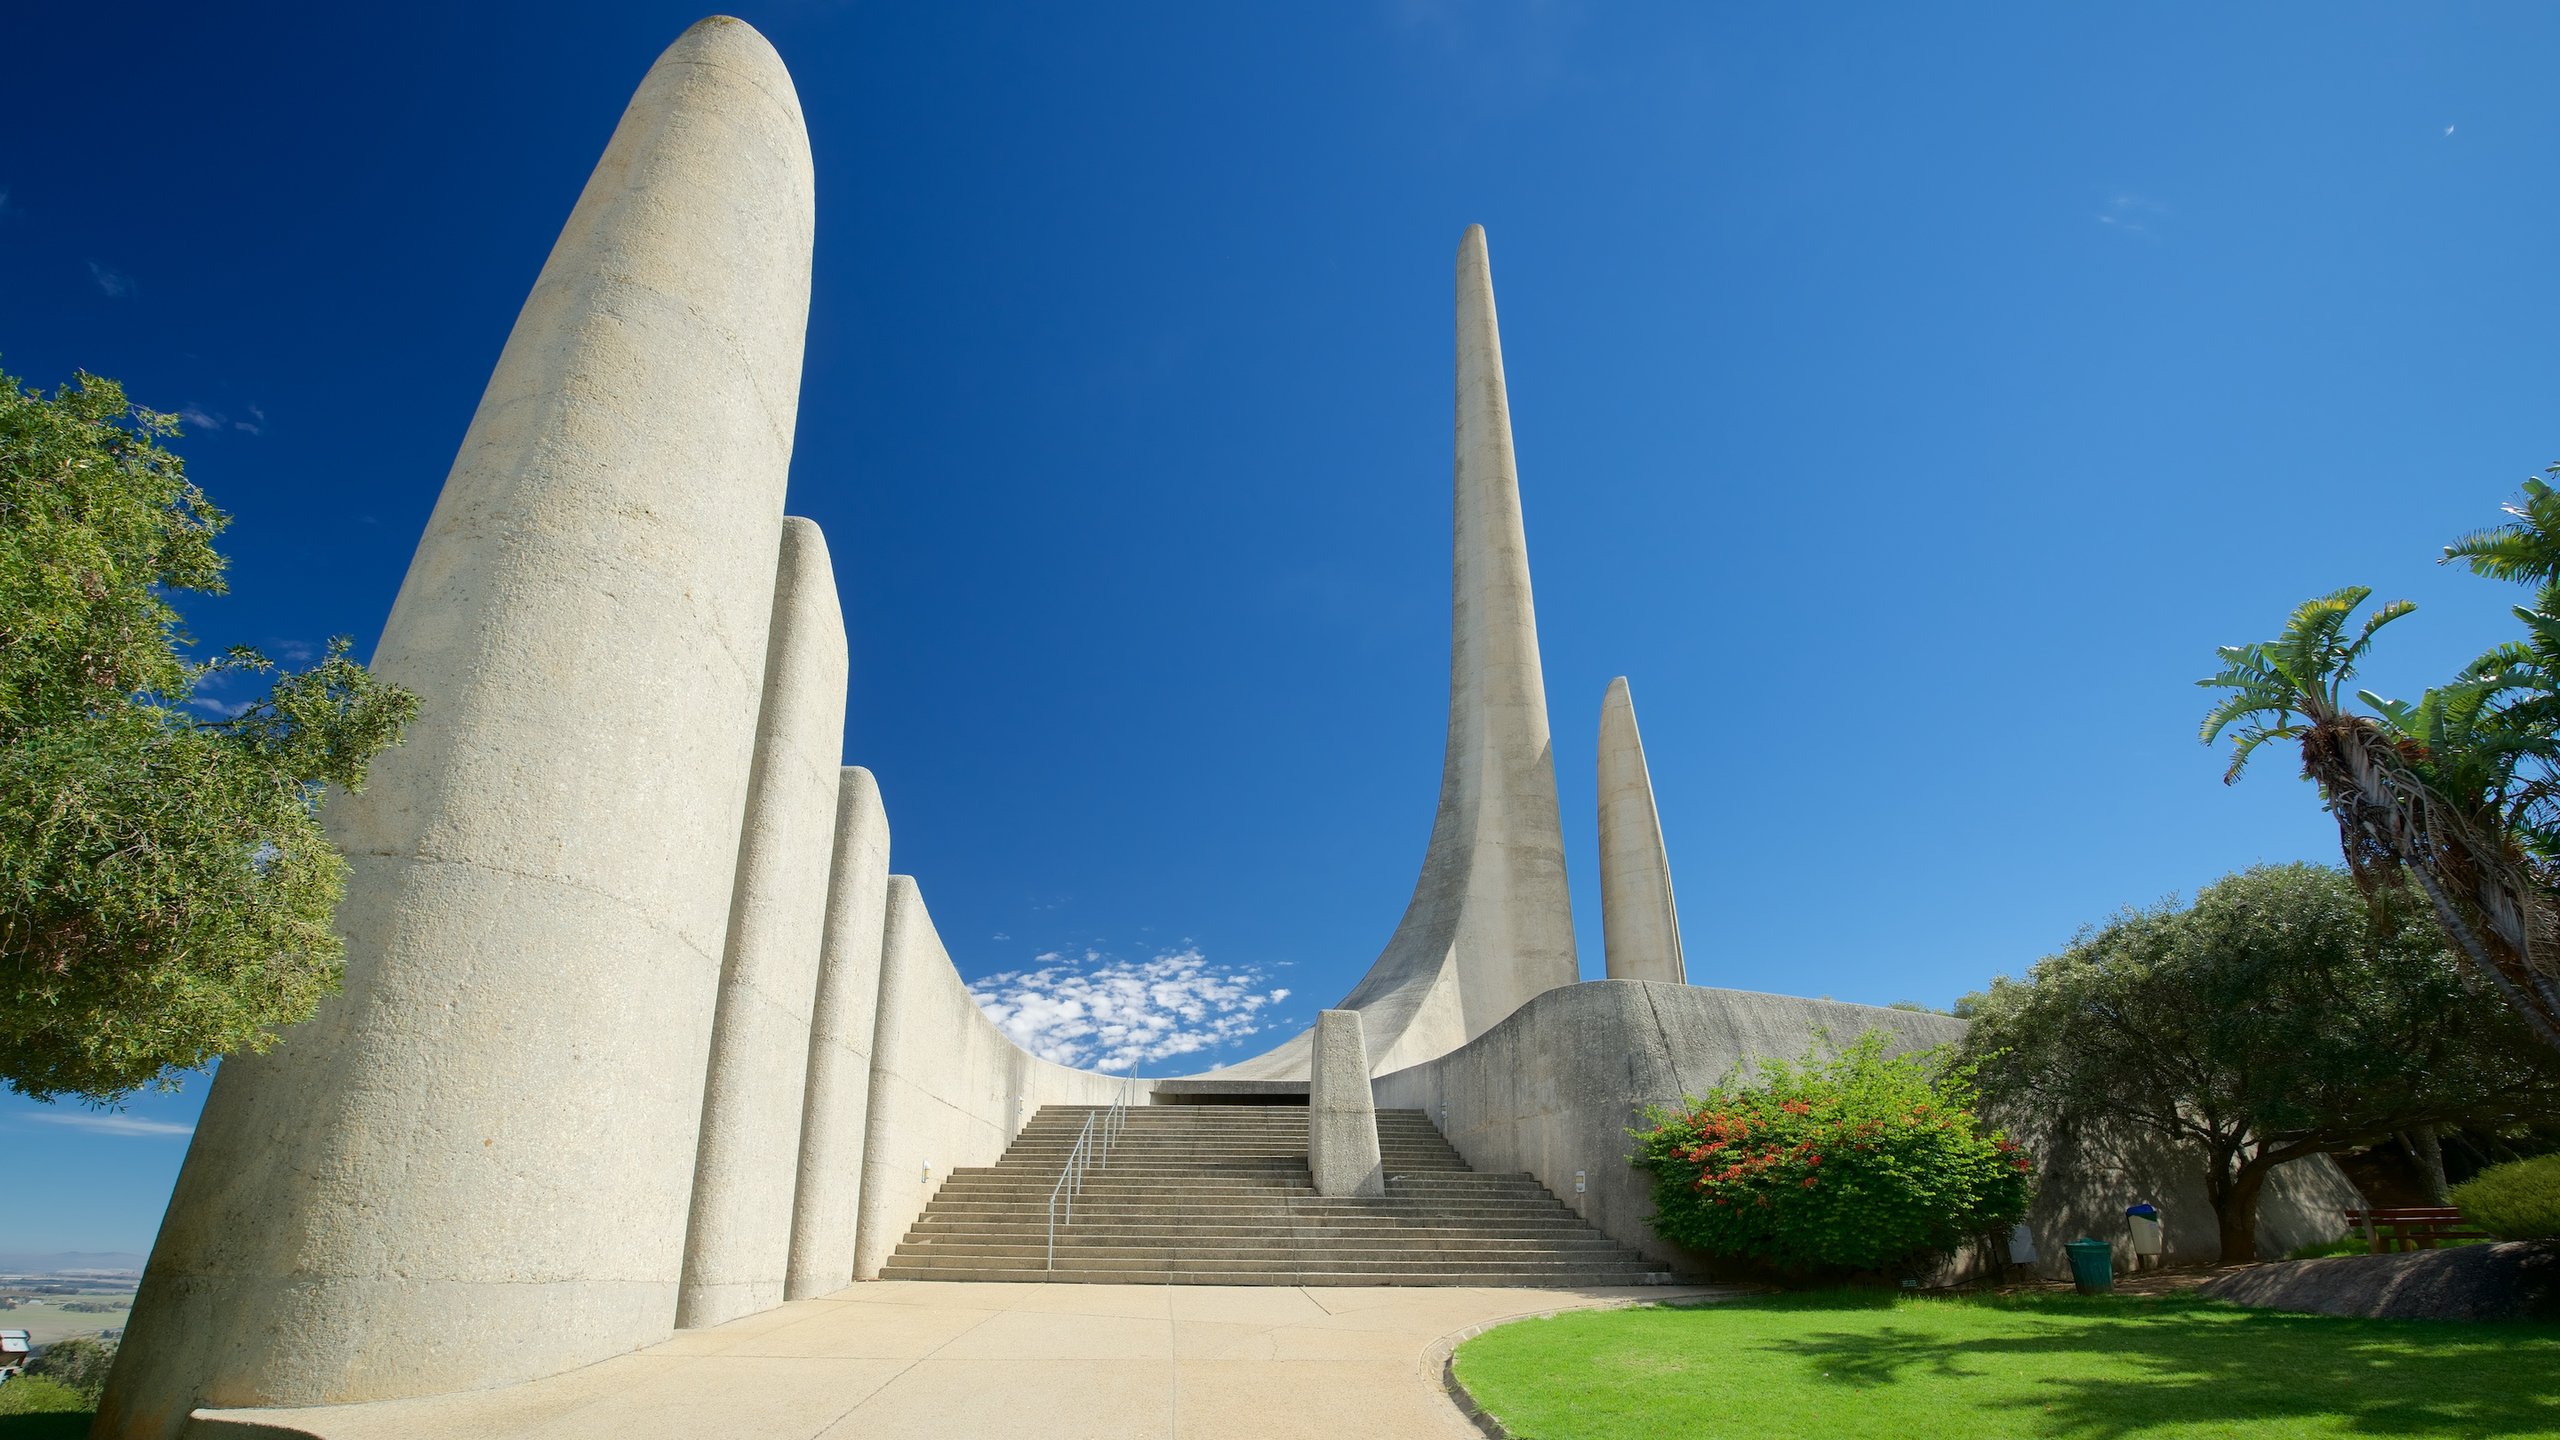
(840, 1035)
(737, 1249)
(1641, 924)
(1491, 923)
(473, 1165)
(1342, 1116)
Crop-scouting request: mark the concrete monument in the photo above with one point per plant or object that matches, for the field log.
(475, 1164)
(638, 1031)
(746, 1167)
(1640, 925)
(1490, 923)
(841, 1022)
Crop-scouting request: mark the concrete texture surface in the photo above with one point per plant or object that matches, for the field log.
(1490, 923)
(943, 1361)
(947, 1088)
(490, 1131)
(737, 1245)
(840, 1029)
(2513, 1281)
(1553, 1089)
(2088, 1174)
(1342, 1120)
(1639, 922)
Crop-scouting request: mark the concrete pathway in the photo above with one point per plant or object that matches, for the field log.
(919, 1360)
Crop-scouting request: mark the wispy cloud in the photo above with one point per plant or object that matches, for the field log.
(1100, 1011)
(117, 284)
(204, 419)
(2132, 214)
(110, 1124)
(2448, 131)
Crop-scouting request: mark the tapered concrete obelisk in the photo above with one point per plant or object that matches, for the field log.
(1490, 923)
(1641, 924)
(473, 1166)
(737, 1246)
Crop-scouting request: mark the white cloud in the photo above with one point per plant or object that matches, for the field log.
(1099, 1011)
(110, 1124)
(198, 416)
(117, 284)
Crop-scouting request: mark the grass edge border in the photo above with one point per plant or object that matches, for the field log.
(1440, 1360)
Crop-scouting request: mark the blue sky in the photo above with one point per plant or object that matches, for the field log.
(1906, 402)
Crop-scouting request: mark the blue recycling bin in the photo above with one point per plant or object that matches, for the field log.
(2093, 1265)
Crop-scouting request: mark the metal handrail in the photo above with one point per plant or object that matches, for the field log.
(1092, 1150)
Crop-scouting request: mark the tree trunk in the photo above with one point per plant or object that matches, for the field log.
(2235, 1213)
(2428, 1151)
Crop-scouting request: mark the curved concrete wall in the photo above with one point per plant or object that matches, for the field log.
(473, 1165)
(947, 1088)
(738, 1242)
(1553, 1090)
(840, 1030)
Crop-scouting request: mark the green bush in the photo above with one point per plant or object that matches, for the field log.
(2519, 1201)
(1862, 1162)
(80, 1362)
(38, 1395)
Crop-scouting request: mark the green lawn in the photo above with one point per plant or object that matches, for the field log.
(1854, 1363)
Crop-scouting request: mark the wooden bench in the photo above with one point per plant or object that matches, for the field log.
(2412, 1227)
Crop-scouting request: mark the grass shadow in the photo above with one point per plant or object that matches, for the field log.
(2198, 1362)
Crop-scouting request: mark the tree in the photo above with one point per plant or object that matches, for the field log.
(80, 1362)
(2428, 791)
(2269, 1021)
(165, 890)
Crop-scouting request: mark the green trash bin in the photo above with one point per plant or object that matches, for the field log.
(2093, 1265)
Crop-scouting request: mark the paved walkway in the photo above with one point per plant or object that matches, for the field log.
(920, 1360)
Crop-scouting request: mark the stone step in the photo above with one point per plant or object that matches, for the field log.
(1524, 1280)
(1222, 1195)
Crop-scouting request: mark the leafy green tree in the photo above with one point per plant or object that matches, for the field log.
(80, 1362)
(1861, 1162)
(2271, 1020)
(165, 890)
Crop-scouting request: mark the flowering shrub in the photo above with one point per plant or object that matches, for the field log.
(1861, 1162)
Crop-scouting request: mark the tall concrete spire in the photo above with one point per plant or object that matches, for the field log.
(1636, 913)
(1490, 923)
(473, 1165)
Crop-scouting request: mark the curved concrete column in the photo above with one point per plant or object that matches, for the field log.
(737, 1247)
(839, 1082)
(1637, 916)
(1491, 922)
(473, 1165)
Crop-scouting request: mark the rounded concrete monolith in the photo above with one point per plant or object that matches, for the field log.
(737, 1249)
(832, 1115)
(1342, 1116)
(1637, 916)
(473, 1166)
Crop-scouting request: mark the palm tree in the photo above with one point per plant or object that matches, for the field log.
(2390, 792)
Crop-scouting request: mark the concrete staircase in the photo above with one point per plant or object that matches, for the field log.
(1220, 1195)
